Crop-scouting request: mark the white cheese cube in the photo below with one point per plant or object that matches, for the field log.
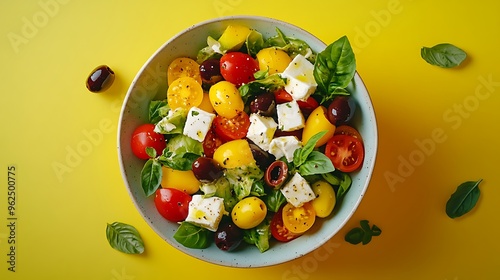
(284, 146)
(198, 123)
(290, 117)
(261, 130)
(300, 78)
(206, 212)
(297, 191)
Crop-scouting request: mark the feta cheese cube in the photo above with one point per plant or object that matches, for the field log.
(206, 212)
(290, 117)
(284, 146)
(300, 78)
(198, 123)
(297, 191)
(261, 130)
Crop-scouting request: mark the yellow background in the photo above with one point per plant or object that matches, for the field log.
(48, 47)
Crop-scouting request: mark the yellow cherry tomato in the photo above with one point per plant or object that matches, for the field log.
(226, 99)
(178, 179)
(315, 123)
(273, 59)
(249, 212)
(183, 67)
(206, 105)
(325, 199)
(184, 92)
(234, 154)
(298, 219)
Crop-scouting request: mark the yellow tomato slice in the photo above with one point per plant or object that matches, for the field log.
(184, 92)
(298, 219)
(183, 67)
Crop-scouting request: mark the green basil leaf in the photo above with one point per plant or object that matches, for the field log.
(463, 199)
(376, 231)
(124, 238)
(151, 152)
(300, 155)
(157, 110)
(367, 237)
(274, 200)
(355, 236)
(365, 225)
(151, 176)
(345, 185)
(443, 55)
(192, 236)
(316, 163)
(335, 66)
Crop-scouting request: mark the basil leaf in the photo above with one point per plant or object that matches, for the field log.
(274, 200)
(124, 238)
(151, 176)
(365, 225)
(345, 184)
(463, 199)
(192, 236)
(376, 231)
(300, 155)
(334, 67)
(443, 55)
(157, 110)
(316, 163)
(355, 236)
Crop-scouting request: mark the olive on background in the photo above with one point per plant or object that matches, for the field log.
(100, 79)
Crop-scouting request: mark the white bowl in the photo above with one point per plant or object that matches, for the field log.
(150, 83)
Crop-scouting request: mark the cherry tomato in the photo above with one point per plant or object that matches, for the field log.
(182, 67)
(234, 128)
(184, 92)
(273, 59)
(172, 204)
(211, 142)
(346, 152)
(249, 212)
(233, 154)
(315, 123)
(238, 68)
(307, 106)
(226, 99)
(183, 180)
(298, 219)
(282, 96)
(278, 229)
(348, 130)
(144, 136)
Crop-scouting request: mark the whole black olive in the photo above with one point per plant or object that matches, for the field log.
(264, 104)
(100, 79)
(206, 169)
(228, 236)
(262, 158)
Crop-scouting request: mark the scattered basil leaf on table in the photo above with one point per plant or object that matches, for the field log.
(124, 238)
(443, 55)
(463, 199)
(362, 234)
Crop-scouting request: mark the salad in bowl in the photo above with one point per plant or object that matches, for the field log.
(259, 139)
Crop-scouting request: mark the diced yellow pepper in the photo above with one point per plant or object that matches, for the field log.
(234, 37)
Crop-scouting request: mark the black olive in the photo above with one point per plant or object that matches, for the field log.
(276, 174)
(100, 79)
(228, 236)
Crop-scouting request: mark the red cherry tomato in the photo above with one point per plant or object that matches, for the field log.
(172, 204)
(346, 152)
(144, 136)
(307, 106)
(234, 128)
(211, 142)
(238, 68)
(348, 130)
(278, 229)
(282, 96)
